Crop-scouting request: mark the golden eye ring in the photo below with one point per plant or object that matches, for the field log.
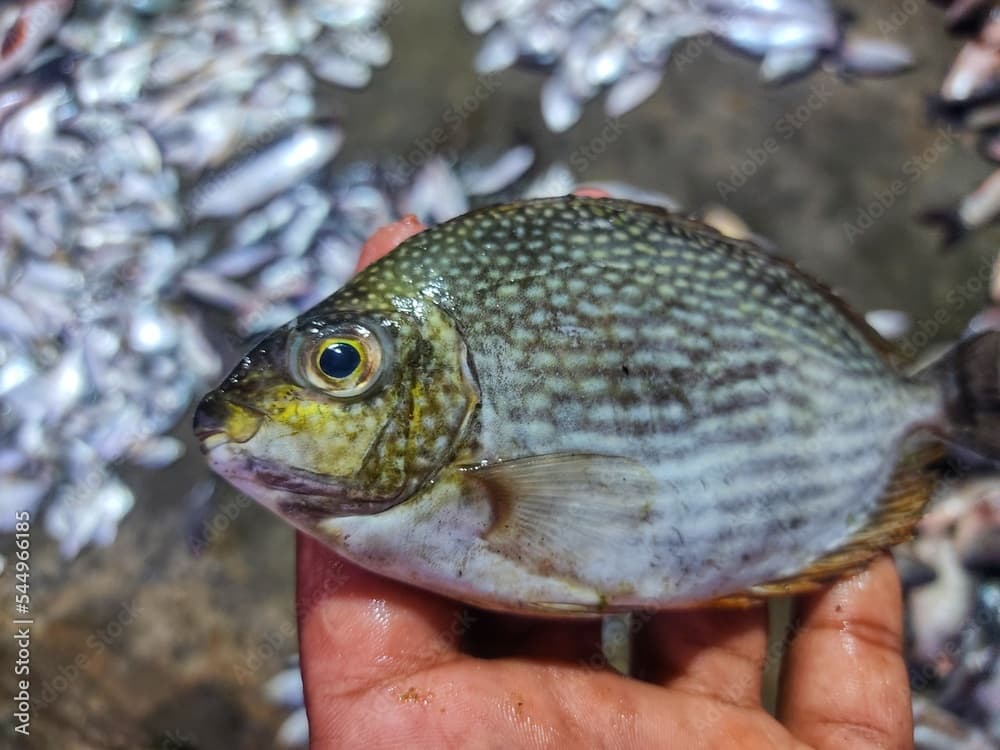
(346, 363)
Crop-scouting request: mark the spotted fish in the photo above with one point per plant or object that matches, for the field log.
(580, 405)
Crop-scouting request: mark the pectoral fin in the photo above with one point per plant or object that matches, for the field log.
(557, 513)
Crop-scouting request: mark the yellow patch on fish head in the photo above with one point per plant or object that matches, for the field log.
(341, 413)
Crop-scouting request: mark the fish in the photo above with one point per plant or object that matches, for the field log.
(26, 26)
(891, 325)
(986, 120)
(912, 570)
(935, 728)
(974, 74)
(974, 77)
(623, 48)
(978, 209)
(872, 56)
(782, 65)
(962, 16)
(942, 607)
(576, 406)
(265, 171)
(507, 169)
(758, 28)
(631, 91)
(968, 100)
(285, 689)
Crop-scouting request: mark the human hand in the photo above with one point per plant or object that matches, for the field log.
(388, 665)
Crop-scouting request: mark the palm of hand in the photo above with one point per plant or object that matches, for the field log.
(388, 665)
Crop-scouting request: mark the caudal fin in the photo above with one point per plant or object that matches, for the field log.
(948, 222)
(970, 380)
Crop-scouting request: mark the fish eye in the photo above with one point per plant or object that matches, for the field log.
(345, 362)
(339, 359)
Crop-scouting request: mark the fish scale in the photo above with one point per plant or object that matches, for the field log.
(597, 239)
(651, 414)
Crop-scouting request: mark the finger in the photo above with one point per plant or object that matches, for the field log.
(387, 237)
(845, 682)
(357, 629)
(591, 192)
(717, 653)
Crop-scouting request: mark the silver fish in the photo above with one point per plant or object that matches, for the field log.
(871, 56)
(590, 46)
(979, 208)
(262, 175)
(25, 27)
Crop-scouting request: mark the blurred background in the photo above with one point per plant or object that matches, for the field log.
(176, 178)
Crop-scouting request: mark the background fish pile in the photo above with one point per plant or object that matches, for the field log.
(167, 189)
(113, 150)
(623, 46)
(157, 166)
(951, 571)
(969, 100)
(952, 575)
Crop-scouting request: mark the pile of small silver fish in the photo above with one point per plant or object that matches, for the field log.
(285, 689)
(951, 580)
(623, 46)
(158, 166)
(969, 100)
(951, 573)
(128, 130)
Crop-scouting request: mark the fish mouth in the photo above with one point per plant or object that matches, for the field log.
(237, 465)
(211, 439)
(285, 487)
(219, 420)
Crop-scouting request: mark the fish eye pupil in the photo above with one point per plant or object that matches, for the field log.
(339, 359)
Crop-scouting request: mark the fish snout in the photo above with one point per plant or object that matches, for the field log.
(217, 420)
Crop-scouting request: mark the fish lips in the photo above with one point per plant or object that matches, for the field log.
(299, 494)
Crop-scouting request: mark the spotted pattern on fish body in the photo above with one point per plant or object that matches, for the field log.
(655, 415)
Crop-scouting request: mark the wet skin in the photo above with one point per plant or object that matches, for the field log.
(387, 665)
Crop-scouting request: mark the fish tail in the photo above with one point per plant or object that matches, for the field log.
(944, 110)
(949, 222)
(969, 378)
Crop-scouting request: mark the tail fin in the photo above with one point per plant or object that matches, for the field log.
(948, 221)
(970, 380)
